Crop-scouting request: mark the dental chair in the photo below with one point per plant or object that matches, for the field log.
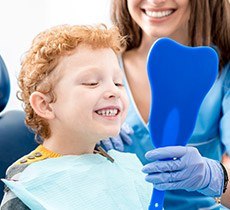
(16, 139)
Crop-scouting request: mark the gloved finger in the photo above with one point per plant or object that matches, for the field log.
(107, 144)
(117, 143)
(179, 185)
(168, 186)
(126, 138)
(167, 177)
(163, 166)
(166, 153)
(127, 129)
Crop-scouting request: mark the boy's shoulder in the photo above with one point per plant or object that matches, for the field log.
(10, 201)
(19, 166)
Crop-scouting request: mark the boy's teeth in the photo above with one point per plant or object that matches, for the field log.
(108, 112)
(159, 14)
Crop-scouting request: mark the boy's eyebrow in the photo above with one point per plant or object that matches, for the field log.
(84, 71)
(120, 74)
(89, 69)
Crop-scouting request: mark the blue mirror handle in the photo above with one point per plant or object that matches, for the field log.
(157, 200)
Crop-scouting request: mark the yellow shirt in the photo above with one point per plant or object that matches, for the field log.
(40, 153)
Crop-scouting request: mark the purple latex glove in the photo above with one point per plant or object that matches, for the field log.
(178, 167)
(119, 141)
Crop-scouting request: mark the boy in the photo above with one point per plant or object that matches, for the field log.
(72, 88)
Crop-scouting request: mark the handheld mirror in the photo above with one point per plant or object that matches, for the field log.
(180, 77)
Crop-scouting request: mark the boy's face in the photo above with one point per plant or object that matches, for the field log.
(91, 99)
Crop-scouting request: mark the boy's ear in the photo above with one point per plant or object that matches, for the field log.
(41, 105)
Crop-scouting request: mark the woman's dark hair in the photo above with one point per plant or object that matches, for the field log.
(209, 24)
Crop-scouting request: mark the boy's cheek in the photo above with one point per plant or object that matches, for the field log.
(125, 111)
(126, 105)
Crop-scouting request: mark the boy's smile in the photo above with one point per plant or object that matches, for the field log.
(110, 111)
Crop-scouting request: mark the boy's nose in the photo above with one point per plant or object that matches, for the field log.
(112, 92)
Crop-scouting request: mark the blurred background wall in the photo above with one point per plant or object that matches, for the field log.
(21, 21)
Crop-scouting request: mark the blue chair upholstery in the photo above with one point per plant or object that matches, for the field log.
(16, 139)
(4, 85)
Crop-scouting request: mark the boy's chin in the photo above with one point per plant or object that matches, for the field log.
(114, 134)
(111, 135)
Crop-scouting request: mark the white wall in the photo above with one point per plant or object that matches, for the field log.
(22, 20)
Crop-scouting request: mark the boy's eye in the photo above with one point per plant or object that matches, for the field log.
(119, 84)
(90, 83)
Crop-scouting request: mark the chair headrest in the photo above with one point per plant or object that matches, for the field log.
(4, 85)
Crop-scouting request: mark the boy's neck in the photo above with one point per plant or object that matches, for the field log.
(68, 147)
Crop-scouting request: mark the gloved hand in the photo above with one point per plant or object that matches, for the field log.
(118, 142)
(178, 167)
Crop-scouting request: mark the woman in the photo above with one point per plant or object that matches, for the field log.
(192, 23)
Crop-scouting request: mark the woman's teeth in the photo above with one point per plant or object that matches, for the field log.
(108, 112)
(158, 14)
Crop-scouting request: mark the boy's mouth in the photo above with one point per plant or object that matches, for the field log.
(108, 112)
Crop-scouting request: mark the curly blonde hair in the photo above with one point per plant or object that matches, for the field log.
(43, 56)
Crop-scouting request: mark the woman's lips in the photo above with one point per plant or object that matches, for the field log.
(158, 14)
